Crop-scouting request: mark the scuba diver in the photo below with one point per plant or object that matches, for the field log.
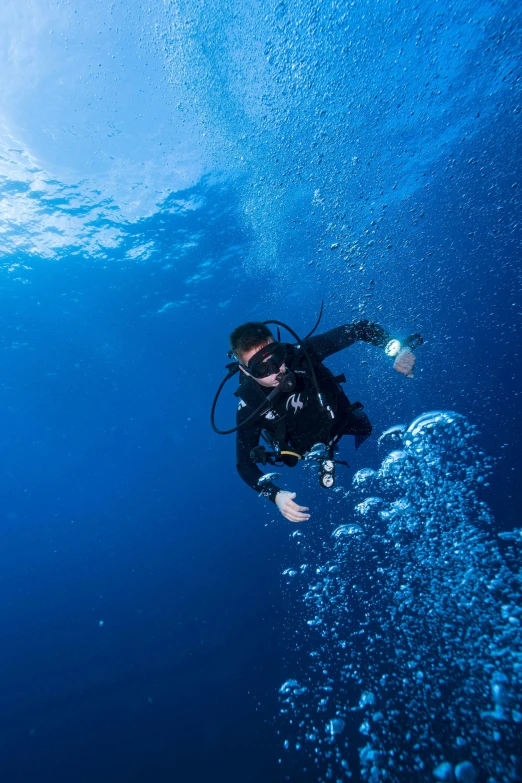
(290, 399)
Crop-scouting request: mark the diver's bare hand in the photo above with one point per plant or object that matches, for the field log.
(405, 362)
(285, 503)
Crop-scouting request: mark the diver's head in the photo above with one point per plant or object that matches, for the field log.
(259, 355)
(246, 337)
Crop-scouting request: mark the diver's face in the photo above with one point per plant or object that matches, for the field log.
(271, 380)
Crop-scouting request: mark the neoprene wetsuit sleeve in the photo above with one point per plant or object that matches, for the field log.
(323, 345)
(246, 440)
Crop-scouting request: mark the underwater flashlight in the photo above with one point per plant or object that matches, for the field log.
(392, 348)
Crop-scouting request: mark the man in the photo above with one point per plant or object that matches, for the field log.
(310, 407)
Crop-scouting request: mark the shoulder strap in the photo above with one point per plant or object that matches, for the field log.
(250, 392)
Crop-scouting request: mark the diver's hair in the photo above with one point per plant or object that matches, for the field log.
(253, 334)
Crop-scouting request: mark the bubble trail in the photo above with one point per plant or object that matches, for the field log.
(406, 628)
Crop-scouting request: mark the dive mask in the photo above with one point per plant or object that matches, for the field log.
(267, 361)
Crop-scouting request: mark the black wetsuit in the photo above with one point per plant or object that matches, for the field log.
(295, 419)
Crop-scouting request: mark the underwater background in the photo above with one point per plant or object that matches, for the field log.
(169, 170)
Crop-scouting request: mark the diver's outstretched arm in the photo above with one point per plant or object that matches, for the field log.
(323, 345)
(334, 340)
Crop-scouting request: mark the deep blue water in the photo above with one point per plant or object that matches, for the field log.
(168, 173)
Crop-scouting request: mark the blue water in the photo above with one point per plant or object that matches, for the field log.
(171, 171)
